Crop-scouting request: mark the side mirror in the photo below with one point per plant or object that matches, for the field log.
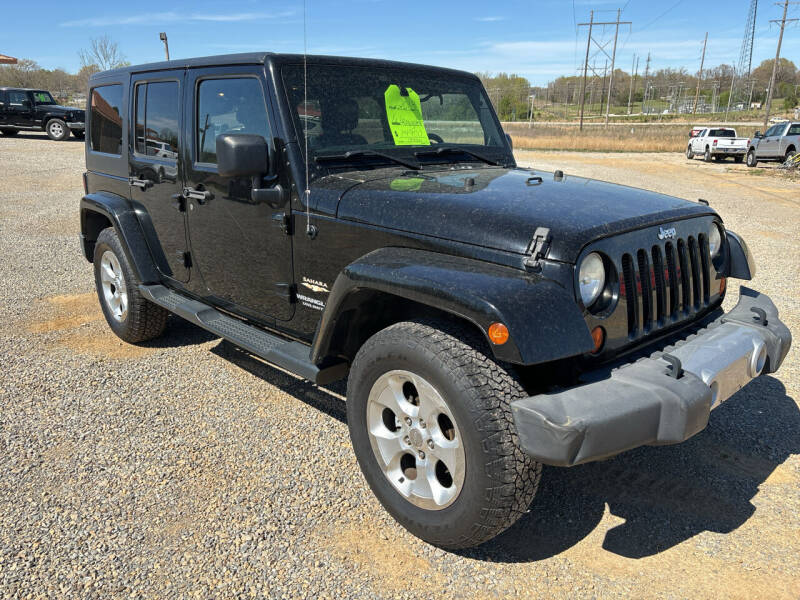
(242, 155)
(510, 141)
(758, 134)
(247, 155)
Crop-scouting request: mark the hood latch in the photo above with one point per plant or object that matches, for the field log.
(538, 248)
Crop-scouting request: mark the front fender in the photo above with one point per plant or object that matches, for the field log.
(542, 317)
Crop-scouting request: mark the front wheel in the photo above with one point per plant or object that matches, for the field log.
(752, 161)
(57, 130)
(129, 314)
(689, 153)
(431, 426)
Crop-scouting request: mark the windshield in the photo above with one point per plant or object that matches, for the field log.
(43, 98)
(351, 111)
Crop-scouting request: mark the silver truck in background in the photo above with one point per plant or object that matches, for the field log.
(717, 143)
(779, 143)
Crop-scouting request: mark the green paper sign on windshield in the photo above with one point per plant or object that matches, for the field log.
(405, 117)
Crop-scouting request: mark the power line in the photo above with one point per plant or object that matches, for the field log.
(783, 22)
(662, 15)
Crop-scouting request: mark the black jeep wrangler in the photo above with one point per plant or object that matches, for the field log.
(35, 110)
(365, 219)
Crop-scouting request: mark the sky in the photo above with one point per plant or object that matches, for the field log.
(538, 39)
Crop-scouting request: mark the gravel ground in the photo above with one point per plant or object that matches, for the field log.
(185, 468)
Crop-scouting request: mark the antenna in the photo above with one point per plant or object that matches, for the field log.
(311, 231)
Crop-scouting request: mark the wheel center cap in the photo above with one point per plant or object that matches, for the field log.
(416, 438)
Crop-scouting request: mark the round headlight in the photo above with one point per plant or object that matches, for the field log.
(591, 278)
(714, 240)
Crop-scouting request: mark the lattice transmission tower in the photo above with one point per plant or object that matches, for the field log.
(742, 92)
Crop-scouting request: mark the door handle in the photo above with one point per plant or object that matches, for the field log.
(141, 183)
(202, 196)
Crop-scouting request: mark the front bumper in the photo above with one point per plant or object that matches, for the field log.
(663, 399)
(77, 125)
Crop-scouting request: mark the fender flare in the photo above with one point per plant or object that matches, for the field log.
(542, 317)
(123, 217)
(742, 263)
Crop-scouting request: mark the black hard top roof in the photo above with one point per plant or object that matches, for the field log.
(6, 88)
(260, 58)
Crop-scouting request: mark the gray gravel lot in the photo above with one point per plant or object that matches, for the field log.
(185, 468)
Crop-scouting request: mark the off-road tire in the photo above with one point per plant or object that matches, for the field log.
(790, 154)
(689, 153)
(500, 479)
(56, 130)
(752, 161)
(9, 132)
(144, 320)
(707, 155)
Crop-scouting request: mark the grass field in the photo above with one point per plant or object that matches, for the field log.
(652, 138)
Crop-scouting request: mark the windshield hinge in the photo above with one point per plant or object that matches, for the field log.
(538, 248)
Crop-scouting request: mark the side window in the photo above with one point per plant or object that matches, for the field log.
(794, 129)
(234, 105)
(156, 119)
(105, 132)
(16, 98)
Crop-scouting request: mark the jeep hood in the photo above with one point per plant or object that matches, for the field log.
(501, 208)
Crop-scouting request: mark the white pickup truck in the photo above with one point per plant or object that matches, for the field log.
(717, 143)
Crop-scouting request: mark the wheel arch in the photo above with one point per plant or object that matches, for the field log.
(395, 284)
(100, 210)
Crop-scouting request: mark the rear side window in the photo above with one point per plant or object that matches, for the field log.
(157, 119)
(234, 105)
(722, 133)
(16, 98)
(105, 133)
(794, 129)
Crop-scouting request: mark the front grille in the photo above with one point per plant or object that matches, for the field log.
(664, 284)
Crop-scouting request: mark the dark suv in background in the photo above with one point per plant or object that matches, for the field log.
(24, 109)
(356, 218)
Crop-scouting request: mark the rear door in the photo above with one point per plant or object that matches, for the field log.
(769, 146)
(239, 246)
(155, 169)
(20, 108)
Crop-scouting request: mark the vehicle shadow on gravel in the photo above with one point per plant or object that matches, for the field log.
(327, 399)
(666, 494)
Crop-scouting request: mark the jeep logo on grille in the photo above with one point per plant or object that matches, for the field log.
(666, 234)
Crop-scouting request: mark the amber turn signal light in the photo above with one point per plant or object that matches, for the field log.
(723, 283)
(599, 338)
(498, 334)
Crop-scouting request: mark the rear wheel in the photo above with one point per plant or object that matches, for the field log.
(707, 155)
(752, 161)
(131, 316)
(9, 132)
(57, 130)
(431, 426)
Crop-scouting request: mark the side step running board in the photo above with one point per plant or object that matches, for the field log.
(287, 354)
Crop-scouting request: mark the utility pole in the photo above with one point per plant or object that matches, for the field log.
(163, 37)
(783, 22)
(613, 59)
(585, 67)
(603, 86)
(646, 82)
(601, 48)
(634, 68)
(700, 75)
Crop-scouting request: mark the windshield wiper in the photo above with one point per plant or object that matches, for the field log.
(356, 154)
(456, 150)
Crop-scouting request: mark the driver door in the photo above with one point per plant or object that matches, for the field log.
(240, 247)
(20, 108)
